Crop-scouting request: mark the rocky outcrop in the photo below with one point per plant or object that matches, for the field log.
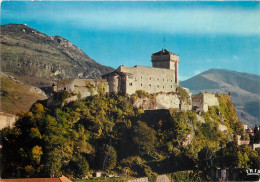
(7, 120)
(162, 101)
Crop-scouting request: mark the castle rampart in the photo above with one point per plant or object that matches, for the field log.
(161, 79)
(201, 102)
(84, 87)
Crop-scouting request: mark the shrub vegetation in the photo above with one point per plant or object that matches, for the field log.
(104, 132)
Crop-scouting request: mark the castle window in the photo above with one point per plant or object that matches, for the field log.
(141, 77)
(163, 80)
(158, 86)
(171, 86)
(150, 78)
(162, 86)
(158, 79)
(171, 80)
(141, 84)
(130, 84)
(150, 85)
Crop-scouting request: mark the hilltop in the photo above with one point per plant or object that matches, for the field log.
(244, 88)
(27, 53)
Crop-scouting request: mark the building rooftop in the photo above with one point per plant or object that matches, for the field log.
(163, 52)
(60, 179)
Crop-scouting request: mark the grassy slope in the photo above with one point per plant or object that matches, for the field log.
(16, 97)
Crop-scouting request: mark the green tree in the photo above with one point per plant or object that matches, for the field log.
(54, 164)
(36, 154)
(107, 157)
(82, 167)
(206, 162)
(144, 137)
(238, 156)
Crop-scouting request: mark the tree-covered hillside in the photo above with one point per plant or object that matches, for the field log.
(105, 132)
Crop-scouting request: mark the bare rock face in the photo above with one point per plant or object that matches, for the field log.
(28, 53)
(7, 120)
(162, 101)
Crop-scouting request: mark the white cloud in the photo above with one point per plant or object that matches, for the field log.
(172, 20)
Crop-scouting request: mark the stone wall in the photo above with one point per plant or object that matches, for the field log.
(131, 79)
(65, 85)
(159, 178)
(210, 99)
(256, 145)
(202, 101)
(7, 120)
(86, 87)
(144, 179)
(162, 178)
(162, 101)
(242, 142)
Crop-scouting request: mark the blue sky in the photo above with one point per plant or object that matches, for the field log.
(204, 34)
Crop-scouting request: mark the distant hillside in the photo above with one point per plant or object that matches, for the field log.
(244, 88)
(17, 97)
(38, 58)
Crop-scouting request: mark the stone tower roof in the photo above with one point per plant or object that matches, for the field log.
(163, 52)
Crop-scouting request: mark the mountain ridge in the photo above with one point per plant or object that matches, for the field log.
(244, 88)
(28, 52)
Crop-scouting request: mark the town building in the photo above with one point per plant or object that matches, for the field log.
(60, 179)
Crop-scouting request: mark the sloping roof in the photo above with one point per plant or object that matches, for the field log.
(125, 73)
(61, 179)
(64, 179)
(163, 52)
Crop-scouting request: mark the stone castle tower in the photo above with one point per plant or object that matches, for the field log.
(168, 60)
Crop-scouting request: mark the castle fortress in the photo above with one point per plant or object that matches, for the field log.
(160, 79)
